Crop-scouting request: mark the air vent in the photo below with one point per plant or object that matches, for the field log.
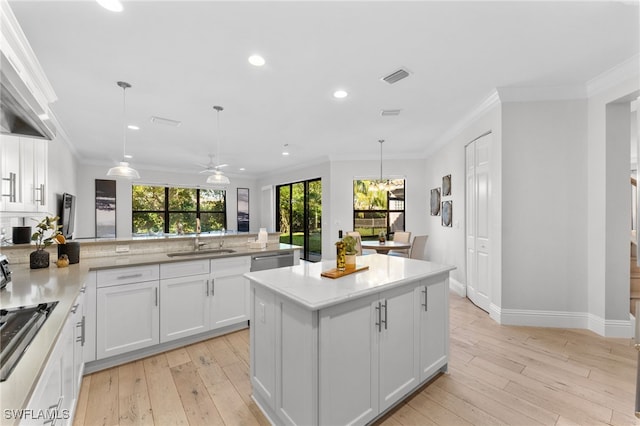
(390, 112)
(396, 76)
(165, 121)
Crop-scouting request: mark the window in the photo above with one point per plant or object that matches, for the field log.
(378, 210)
(160, 209)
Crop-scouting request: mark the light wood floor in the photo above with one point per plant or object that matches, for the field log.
(498, 375)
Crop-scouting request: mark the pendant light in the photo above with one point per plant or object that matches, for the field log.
(123, 170)
(218, 178)
(381, 184)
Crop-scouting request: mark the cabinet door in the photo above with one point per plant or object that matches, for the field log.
(348, 362)
(184, 306)
(67, 364)
(27, 174)
(229, 291)
(40, 178)
(79, 327)
(11, 174)
(398, 345)
(127, 318)
(433, 302)
(263, 341)
(47, 396)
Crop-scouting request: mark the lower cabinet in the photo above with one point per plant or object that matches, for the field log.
(229, 291)
(127, 318)
(176, 300)
(349, 363)
(55, 395)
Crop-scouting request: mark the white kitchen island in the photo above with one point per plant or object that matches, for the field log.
(344, 351)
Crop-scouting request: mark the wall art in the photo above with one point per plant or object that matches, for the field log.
(435, 202)
(447, 213)
(446, 185)
(105, 208)
(243, 209)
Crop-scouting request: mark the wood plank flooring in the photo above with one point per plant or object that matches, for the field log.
(498, 375)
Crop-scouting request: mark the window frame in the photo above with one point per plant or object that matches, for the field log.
(387, 212)
(166, 212)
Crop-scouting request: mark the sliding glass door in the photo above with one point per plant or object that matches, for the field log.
(299, 216)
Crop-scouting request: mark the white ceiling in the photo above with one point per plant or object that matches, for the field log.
(184, 57)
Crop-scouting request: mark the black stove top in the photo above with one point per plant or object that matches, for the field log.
(18, 326)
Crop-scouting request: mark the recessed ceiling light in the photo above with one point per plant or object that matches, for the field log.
(340, 94)
(285, 149)
(256, 60)
(133, 127)
(112, 5)
(128, 156)
(242, 169)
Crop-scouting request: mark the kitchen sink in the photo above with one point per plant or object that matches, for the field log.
(200, 252)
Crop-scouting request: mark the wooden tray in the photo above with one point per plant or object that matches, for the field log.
(334, 273)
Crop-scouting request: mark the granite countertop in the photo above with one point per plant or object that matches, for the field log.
(33, 286)
(304, 284)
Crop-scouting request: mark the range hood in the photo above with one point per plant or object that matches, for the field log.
(25, 92)
(21, 113)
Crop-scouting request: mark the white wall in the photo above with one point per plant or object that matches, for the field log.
(85, 209)
(447, 245)
(608, 179)
(544, 207)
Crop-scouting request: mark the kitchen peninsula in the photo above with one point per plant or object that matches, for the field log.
(344, 351)
(95, 297)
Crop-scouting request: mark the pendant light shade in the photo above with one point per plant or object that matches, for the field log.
(123, 170)
(381, 184)
(218, 178)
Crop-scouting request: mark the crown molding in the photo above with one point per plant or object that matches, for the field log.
(489, 102)
(541, 93)
(623, 71)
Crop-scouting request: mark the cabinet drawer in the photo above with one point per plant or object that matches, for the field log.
(230, 266)
(133, 274)
(184, 269)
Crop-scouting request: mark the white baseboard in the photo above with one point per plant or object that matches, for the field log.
(560, 319)
(458, 287)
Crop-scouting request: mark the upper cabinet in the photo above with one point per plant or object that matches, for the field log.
(23, 169)
(25, 92)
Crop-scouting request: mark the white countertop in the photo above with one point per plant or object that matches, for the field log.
(304, 284)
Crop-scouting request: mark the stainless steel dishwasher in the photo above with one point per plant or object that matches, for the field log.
(260, 262)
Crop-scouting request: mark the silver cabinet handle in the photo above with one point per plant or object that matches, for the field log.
(124, 277)
(83, 289)
(41, 189)
(379, 322)
(207, 288)
(213, 286)
(384, 305)
(425, 304)
(156, 296)
(74, 308)
(81, 325)
(12, 187)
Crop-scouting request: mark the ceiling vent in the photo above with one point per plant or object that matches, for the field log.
(165, 121)
(390, 112)
(396, 76)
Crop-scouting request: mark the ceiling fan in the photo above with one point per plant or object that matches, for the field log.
(211, 166)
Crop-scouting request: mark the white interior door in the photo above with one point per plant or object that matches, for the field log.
(478, 191)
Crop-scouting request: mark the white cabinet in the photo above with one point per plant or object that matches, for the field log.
(55, 395)
(184, 299)
(350, 362)
(434, 325)
(78, 322)
(229, 291)
(359, 355)
(24, 174)
(127, 314)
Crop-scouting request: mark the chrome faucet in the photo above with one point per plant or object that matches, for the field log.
(197, 244)
(221, 239)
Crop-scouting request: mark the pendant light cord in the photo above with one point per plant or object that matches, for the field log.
(124, 86)
(218, 109)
